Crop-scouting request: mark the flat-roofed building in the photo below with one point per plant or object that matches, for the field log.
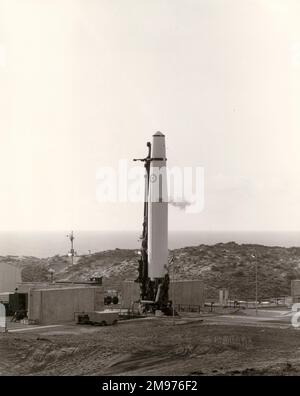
(10, 276)
(295, 290)
(60, 304)
(184, 292)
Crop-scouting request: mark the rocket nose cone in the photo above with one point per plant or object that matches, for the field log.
(158, 145)
(159, 134)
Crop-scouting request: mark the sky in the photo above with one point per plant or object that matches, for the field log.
(85, 83)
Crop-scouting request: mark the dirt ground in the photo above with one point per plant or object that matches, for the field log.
(217, 345)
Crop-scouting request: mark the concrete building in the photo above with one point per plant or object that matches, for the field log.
(130, 293)
(2, 318)
(184, 293)
(187, 293)
(295, 290)
(223, 297)
(10, 276)
(57, 305)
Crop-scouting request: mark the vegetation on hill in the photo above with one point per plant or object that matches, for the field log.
(224, 265)
(232, 266)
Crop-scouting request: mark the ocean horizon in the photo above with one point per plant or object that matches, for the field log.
(49, 243)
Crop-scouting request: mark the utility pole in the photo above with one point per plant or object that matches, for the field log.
(173, 290)
(51, 271)
(72, 252)
(256, 285)
(256, 281)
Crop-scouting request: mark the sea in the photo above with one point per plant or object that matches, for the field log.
(49, 243)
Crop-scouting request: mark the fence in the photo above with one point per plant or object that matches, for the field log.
(265, 302)
(187, 308)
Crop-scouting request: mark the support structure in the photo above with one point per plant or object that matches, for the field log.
(153, 277)
(72, 252)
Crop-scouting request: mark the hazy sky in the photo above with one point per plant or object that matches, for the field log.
(86, 83)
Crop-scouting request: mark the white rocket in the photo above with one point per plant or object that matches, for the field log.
(158, 210)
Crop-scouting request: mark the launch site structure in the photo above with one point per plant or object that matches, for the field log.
(153, 263)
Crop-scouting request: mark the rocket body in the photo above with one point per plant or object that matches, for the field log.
(158, 210)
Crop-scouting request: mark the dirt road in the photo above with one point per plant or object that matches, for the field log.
(216, 346)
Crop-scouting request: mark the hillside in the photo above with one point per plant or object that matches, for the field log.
(227, 265)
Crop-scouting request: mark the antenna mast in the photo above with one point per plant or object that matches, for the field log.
(72, 252)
